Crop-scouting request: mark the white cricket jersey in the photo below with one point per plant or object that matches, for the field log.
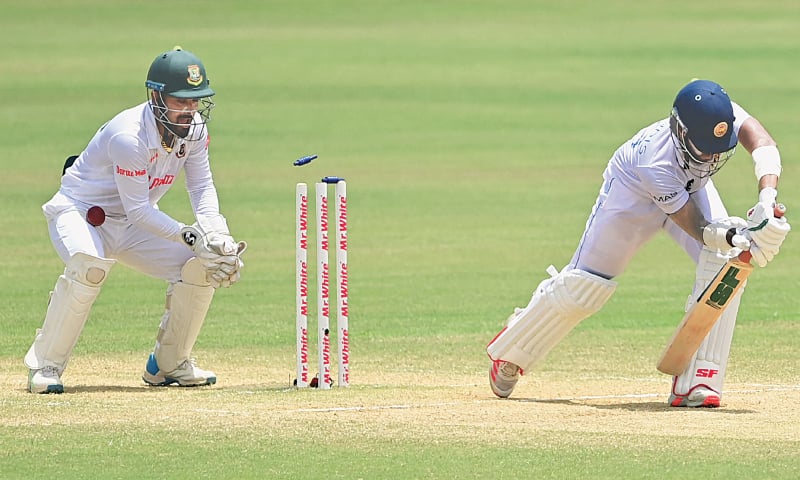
(651, 166)
(126, 170)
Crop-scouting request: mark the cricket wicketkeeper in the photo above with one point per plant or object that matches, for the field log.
(660, 180)
(106, 211)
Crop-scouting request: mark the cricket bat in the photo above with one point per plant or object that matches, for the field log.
(700, 319)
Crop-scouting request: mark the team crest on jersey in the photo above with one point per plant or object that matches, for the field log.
(720, 129)
(181, 151)
(195, 78)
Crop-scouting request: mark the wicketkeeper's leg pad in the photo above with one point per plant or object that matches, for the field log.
(187, 304)
(711, 360)
(70, 303)
(557, 306)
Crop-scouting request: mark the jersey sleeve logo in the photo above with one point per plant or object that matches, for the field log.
(665, 198)
(130, 173)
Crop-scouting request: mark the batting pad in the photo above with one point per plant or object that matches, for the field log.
(70, 303)
(186, 309)
(557, 306)
(711, 360)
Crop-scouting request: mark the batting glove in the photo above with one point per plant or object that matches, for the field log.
(724, 234)
(766, 232)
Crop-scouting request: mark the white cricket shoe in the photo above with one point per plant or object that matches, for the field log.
(503, 377)
(45, 380)
(699, 397)
(188, 374)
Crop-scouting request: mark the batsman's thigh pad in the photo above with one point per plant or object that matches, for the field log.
(711, 359)
(557, 306)
(70, 303)
(187, 305)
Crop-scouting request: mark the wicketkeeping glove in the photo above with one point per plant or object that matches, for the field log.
(207, 245)
(218, 252)
(224, 271)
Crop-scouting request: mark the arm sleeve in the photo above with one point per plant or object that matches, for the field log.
(130, 174)
(740, 115)
(202, 192)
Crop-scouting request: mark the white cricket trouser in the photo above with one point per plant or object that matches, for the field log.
(621, 222)
(116, 238)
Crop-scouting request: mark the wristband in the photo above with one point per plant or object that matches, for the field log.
(766, 161)
(768, 195)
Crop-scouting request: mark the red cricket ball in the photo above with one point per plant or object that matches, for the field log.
(95, 216)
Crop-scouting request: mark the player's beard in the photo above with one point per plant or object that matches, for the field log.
(182, 125)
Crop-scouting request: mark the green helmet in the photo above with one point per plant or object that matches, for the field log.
(179, 73)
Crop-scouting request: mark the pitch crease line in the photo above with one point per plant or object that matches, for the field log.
(766, 388)
(378, 407)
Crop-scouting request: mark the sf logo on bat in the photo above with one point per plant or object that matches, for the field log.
(727, 284)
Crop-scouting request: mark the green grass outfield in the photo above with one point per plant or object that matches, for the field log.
(473, 135)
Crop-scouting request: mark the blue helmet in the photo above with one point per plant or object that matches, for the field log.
(702, 121)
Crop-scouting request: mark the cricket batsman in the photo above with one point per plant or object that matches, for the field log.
(106, 211)
(659, 180)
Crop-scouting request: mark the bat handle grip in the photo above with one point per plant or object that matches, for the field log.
(780, 210)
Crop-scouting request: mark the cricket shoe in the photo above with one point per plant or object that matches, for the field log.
(45, 380)
(503, 377)
(699, 397)
(188, 374)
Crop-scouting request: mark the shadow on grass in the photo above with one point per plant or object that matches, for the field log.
(77, 389)
(634, 406)
(110, 389)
